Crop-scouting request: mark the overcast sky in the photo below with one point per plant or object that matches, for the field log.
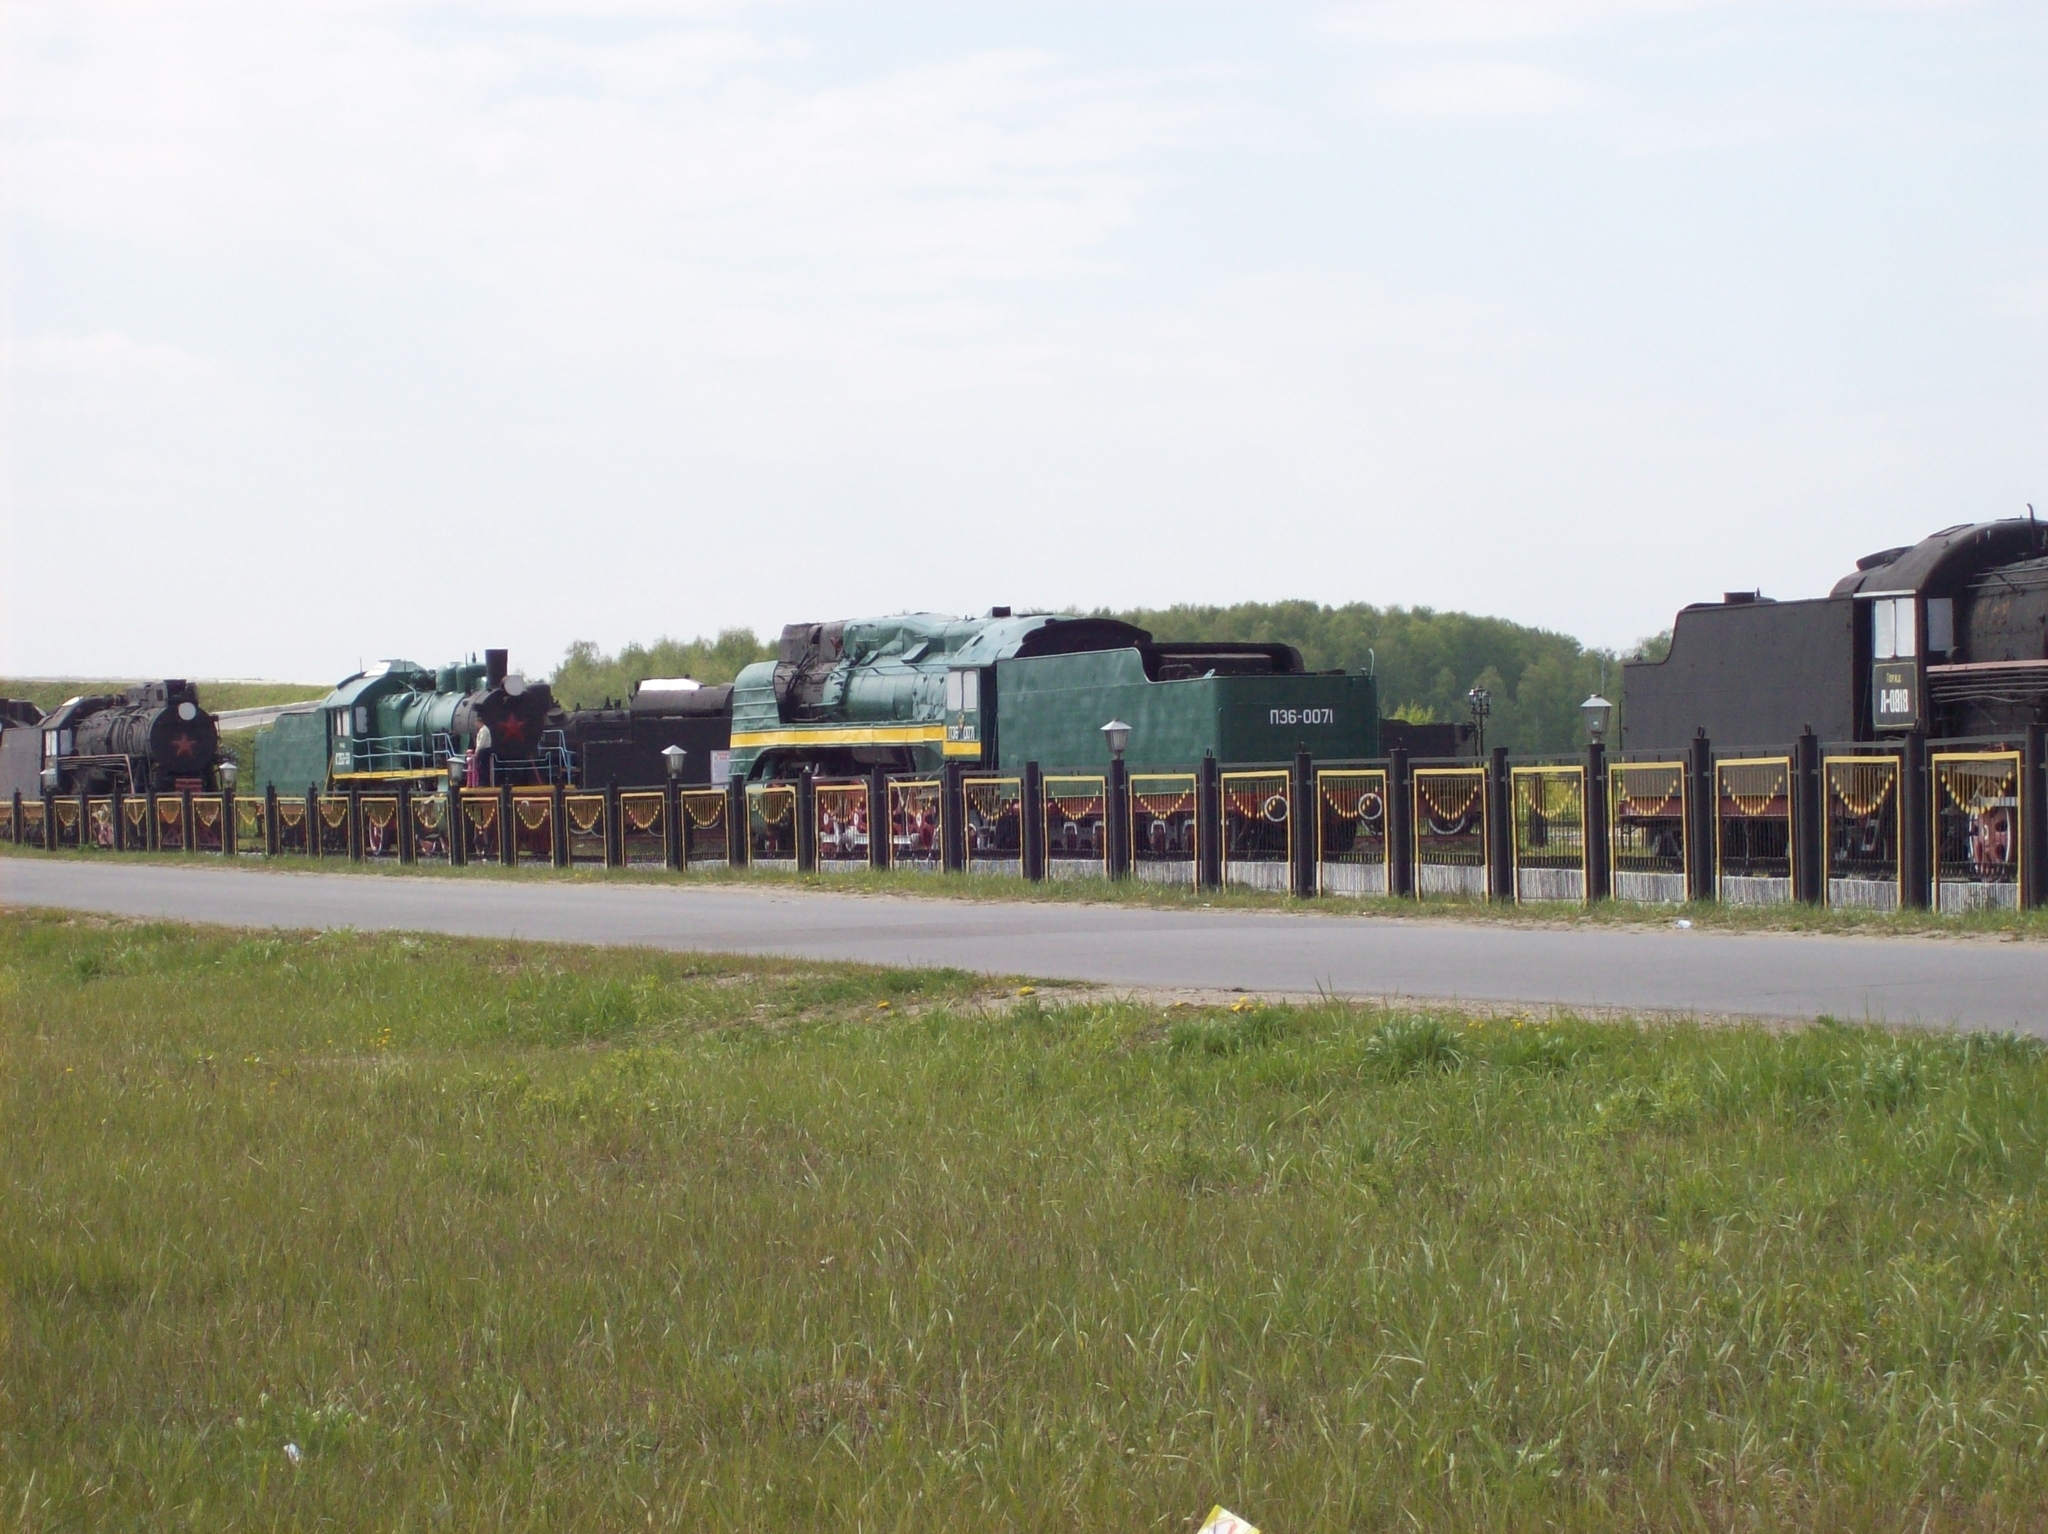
(335, 331)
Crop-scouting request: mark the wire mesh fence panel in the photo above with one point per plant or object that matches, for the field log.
(583, 818)
(293, 834)
(704, 827)
(1549, 806)
(771, 825)
(1258, 830)
(1164, 835)
(330, 824)
(68, 821)
(1076, 828)
(1351, 832)
(135, 824)
(1976, 830)
(429, 826)
(995, 825)
(169, 830)
(1753, 830)
(1647, 855)
(643, 830)
(380, 825)
(842, 827)
(533, 829)
(917, 808)
(99, 824)
(1863, 844)
(478, 826)
(1450, 832)
(209, 823)
(252, 825)
(32, 822)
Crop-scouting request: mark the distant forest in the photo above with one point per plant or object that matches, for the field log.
(1426, 661)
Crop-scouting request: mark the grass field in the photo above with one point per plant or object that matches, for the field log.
(46, 693)
(512, 1237)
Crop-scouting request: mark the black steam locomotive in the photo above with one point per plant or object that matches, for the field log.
(154, 736)
(1948, 636)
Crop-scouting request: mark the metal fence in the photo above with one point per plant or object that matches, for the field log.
(1549, 849)
(1257, 814)
(643, 830)
(1354, 841)
(1977, 830)
(771, 825)
(1865, 866)
(1649, 840)
(1076, 828)
(1452, 844)
(1753, 830)
(993, 837)
(917, 824)
(703, 821)
(1165, 831)
(844, 838)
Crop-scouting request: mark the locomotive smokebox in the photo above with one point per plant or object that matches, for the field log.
(495, 666)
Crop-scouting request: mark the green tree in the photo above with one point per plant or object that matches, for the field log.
(587, 676)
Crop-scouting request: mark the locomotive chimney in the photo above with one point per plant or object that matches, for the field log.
(494, 669)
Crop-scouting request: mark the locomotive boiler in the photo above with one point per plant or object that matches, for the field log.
(154, 736)
(1948, 636)
(914, 691)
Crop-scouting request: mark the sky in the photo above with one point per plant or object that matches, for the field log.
(337, 331)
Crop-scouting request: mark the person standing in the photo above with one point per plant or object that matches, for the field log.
(483, 760)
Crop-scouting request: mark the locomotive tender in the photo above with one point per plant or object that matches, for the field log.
(915, 691)
(1948, 636)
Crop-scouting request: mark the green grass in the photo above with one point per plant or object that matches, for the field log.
(46, 694)
(506, 1236)
(1704, 915)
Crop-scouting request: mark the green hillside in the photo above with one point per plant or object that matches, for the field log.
(47, 692)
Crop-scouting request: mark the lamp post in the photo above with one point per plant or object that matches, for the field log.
(673, 757)
(227, 773)
(1116, 800)
(1481, 703)
(1596, 711)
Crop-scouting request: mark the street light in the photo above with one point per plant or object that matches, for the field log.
(1481, 702)
(455, 773)
(1118, 734)
(673, 756)
(227, 772)
(52, 780)
(1596, 711)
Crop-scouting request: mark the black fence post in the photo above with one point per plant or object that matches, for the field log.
(880, 831)
(185, 820)
(407, 852)
(1301, 794)
(1031, 805)
(1116, 817)
(1209, 822)
(614, 827)
(230, 834)
(1500, 857)
(1806, 819)
(1699, 836)
(739, 829)
(15, 828)
(1400, 824)
(508, 837)
(312, 819)
(1598, 884)
(2033, 834)
(458, 829)
(355, 824)
(49, 822)
(672, 826)
(807, 822)
(270, 845)
(952, 819)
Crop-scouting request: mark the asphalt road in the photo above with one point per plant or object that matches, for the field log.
(1972, 983)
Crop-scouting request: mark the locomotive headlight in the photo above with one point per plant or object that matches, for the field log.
(1596, 711)
(188, 711)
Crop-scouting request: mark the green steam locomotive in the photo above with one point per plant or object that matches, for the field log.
(913, 692)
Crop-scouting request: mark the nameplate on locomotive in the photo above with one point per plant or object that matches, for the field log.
(1895, 694)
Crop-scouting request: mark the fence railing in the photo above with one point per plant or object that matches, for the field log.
(1869, 826)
